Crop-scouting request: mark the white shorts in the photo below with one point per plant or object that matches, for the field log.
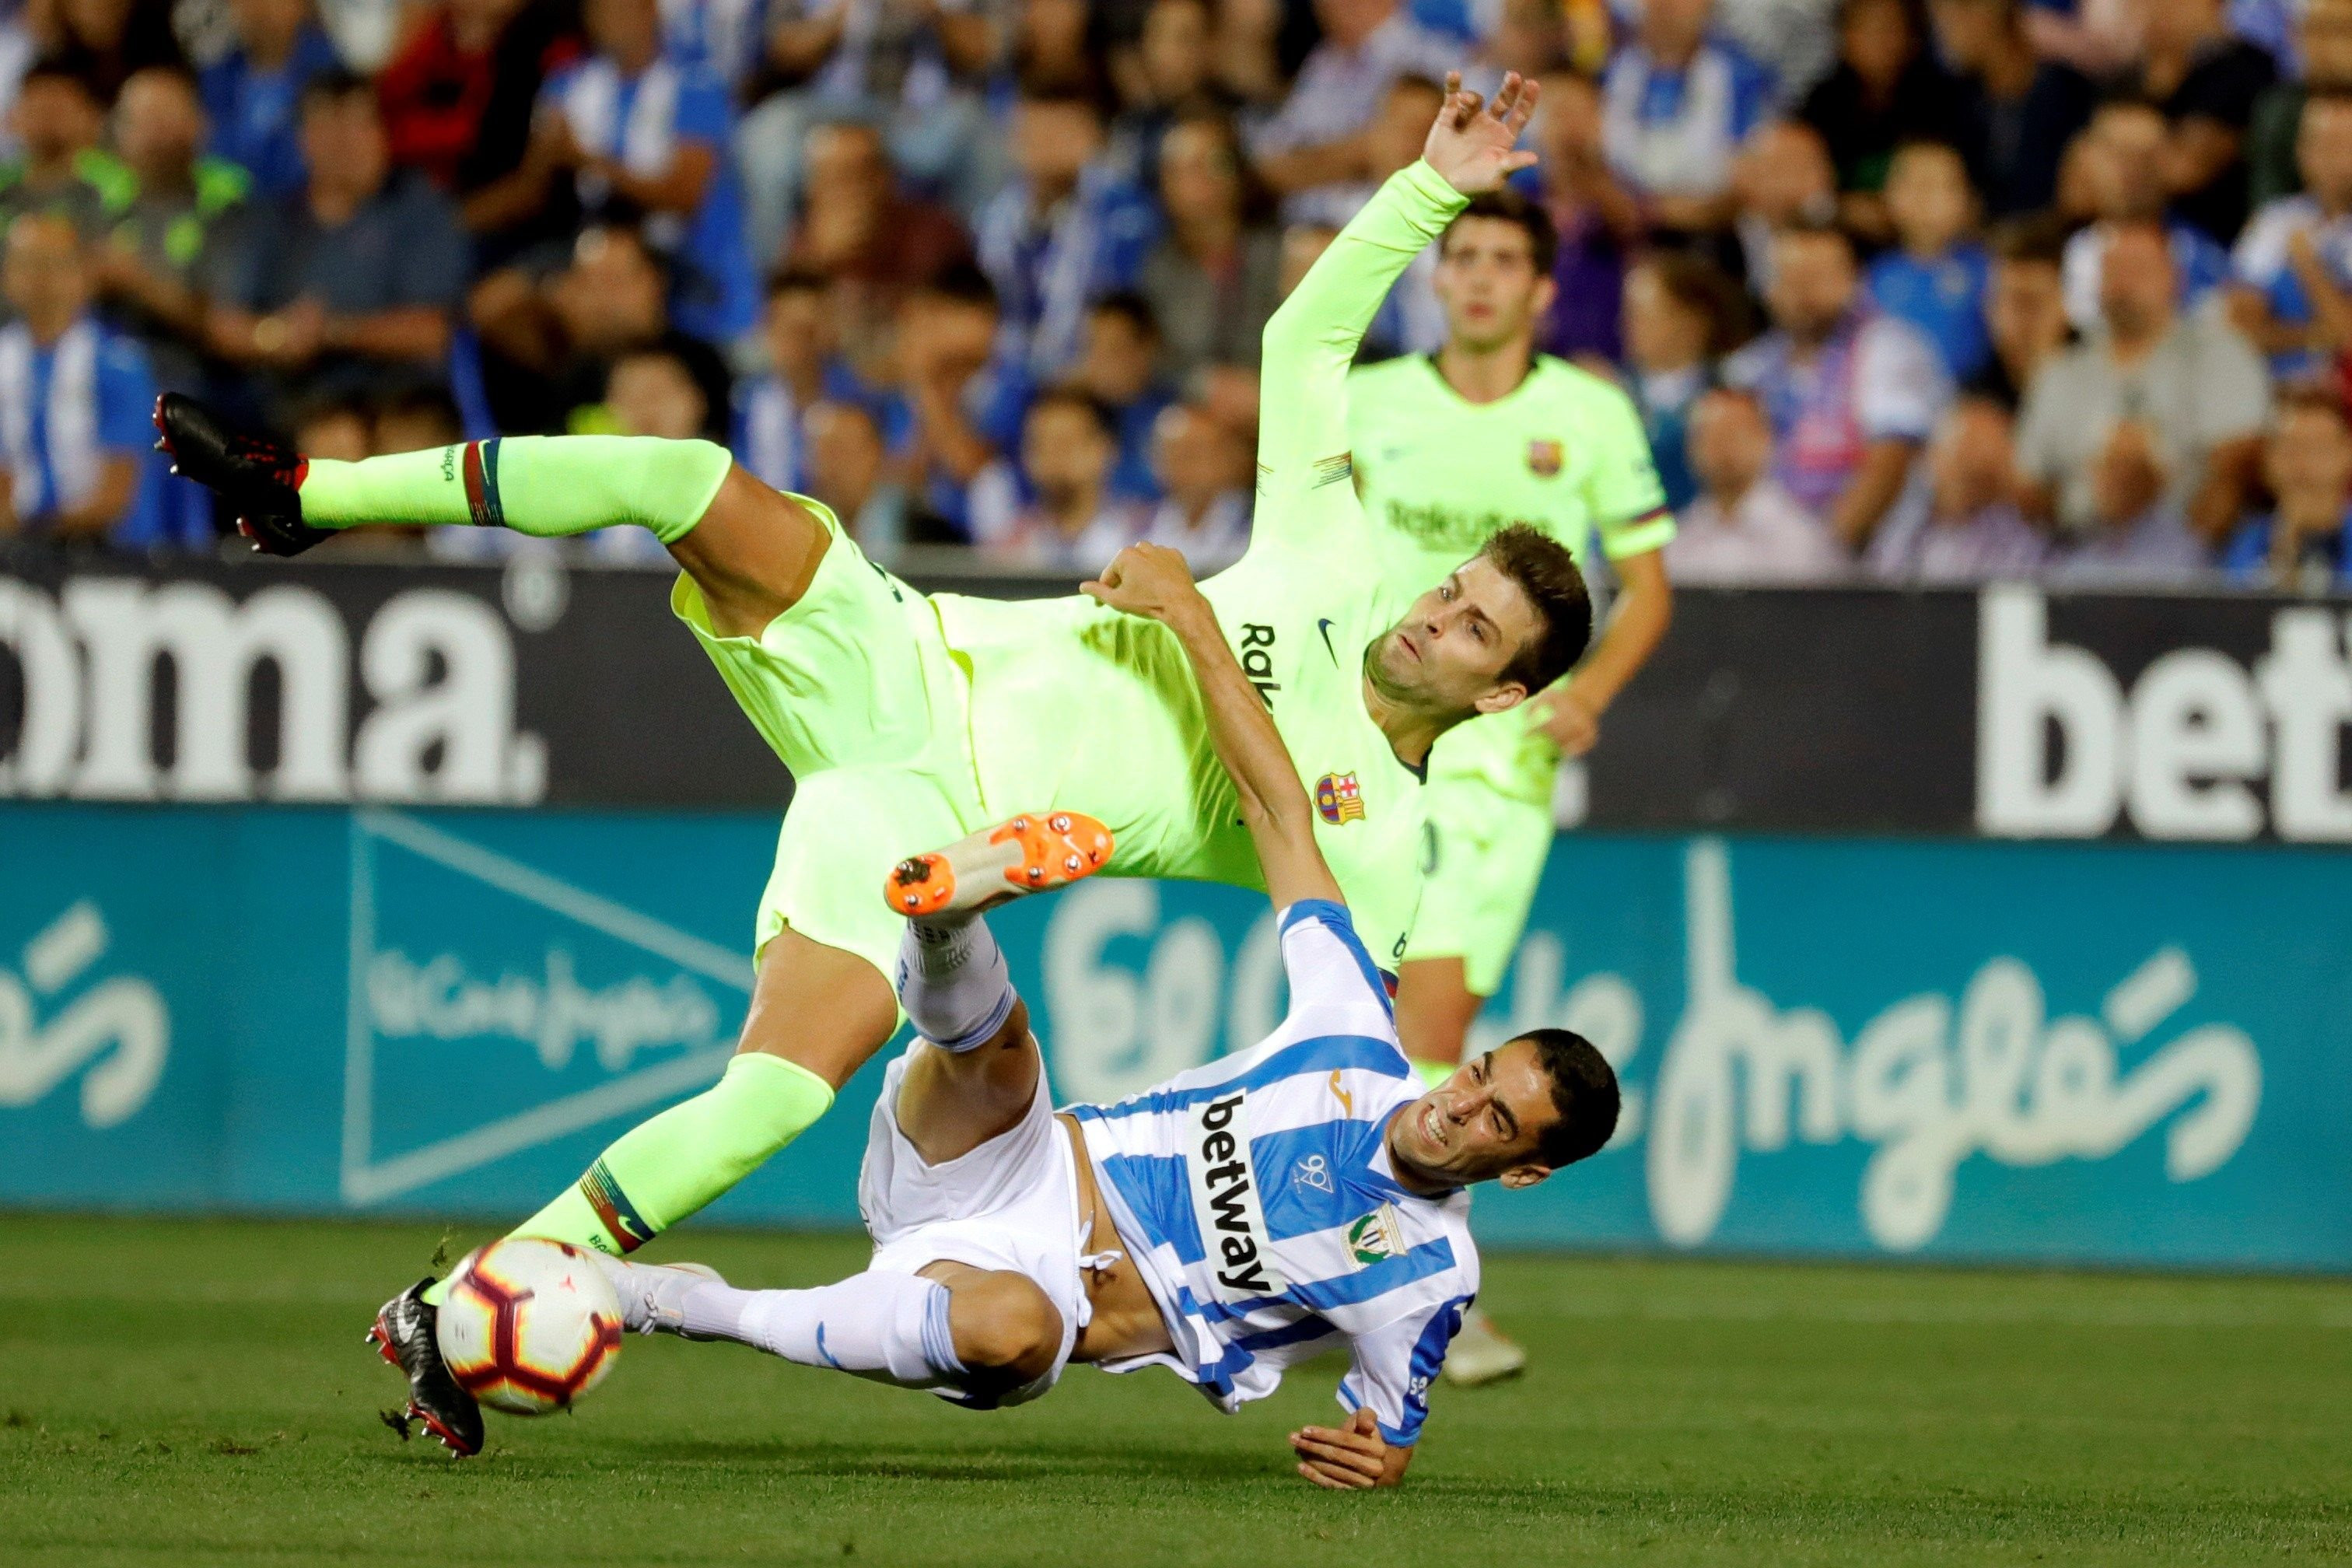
(1012, 1204)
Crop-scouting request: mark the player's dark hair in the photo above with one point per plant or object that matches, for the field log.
(1584, 1091)
(334, 85)
(2033, 237)
(790, 279)
(1509, 207)
(1545, 573)
(1068, 395)
(962, 283)
(1131, 308)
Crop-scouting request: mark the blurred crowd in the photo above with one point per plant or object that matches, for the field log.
(1905, 293)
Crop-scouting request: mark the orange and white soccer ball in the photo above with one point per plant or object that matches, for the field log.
(529, 1326)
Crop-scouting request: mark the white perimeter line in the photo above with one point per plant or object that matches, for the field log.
(707, 959)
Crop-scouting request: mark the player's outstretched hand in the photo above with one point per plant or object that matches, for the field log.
(1147, 580)
(1354, 1457)
(1472, 143)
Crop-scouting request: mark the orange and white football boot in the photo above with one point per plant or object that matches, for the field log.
(1032, 853)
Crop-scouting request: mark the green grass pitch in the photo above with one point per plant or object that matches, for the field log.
(197, 1394)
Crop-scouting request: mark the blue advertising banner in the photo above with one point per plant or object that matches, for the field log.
(2097, 1053)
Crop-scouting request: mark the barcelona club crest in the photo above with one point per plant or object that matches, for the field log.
(1338, 797)
(1544, 459)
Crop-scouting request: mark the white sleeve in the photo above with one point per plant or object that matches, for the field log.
(2260, 253)
(1900, 383)
(1390, 1368)
(1335, 986)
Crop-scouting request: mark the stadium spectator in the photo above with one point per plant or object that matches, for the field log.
(2123, 162)
(639, 138)
(1410, 320)
(849, 471)
(352, 280)
(1213, 277)
(340, 427)
(2298, 547)
(1850, 394)
(859, 228)
(458, 99)
(911, 67)
(109, 41)
(2099, 37)
(254, 93)
(2134, 535)
(1596, 219)
(414, 421)
(1204, 475)
(805, 367)
(1171, 74)
(2191, 381)
(1794, 40)
(1120, 370)
(965, 403)
(2024, 309)
(75, 398)
(1071, 523)
(163, 211)
(1935, 276)
(1783, 178)
(1963, 526)
(1313, 153)
(1680, 315)
(1678, 104)
(2293, 263)
(549, 343)
(2205, 79)
(1887, 90)
(2324, 41)
(2021, 110)
(1744, 527)
(57, 121)
(1065, 229)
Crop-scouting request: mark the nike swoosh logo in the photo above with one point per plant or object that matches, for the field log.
(1325, 627)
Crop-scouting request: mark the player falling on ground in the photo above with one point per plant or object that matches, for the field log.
(1227, 1223)
(908, 721)
(1449, 448)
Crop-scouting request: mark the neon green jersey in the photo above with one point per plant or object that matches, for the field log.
(1077, 706)
(1439, 475)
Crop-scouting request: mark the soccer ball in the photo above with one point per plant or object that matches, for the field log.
(529, 1326)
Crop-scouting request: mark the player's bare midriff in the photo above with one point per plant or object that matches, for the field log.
(1126, 1321)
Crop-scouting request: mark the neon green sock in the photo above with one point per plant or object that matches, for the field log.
(550, 486)
(664, 1169)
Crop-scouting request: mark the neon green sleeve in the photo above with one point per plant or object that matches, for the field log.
(1303, 468)
(1627, 498)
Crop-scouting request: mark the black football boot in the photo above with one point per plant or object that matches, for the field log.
(258, 477)
(403, 1333)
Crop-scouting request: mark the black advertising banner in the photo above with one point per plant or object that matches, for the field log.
(2007, 712)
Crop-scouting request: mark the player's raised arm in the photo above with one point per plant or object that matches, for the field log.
(1311, 341)
(1153, 582)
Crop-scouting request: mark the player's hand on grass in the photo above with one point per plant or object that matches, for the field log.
(1354, 1457)
(1571, 719)
(1472, 144)
(1147, 580)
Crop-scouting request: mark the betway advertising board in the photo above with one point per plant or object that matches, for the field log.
(2113, 1054)
(2008, 714)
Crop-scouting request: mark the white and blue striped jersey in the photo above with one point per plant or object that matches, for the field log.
(1257, 1199)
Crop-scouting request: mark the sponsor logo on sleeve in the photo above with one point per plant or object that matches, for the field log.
(1225, 1203)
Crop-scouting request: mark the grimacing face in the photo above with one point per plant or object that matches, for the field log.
(1486, 1121)
(1450, 651)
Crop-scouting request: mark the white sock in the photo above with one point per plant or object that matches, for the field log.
(953, 983)
(892, 1328)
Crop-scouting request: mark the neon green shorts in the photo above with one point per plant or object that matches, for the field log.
(1487, 855)
(857, 691)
